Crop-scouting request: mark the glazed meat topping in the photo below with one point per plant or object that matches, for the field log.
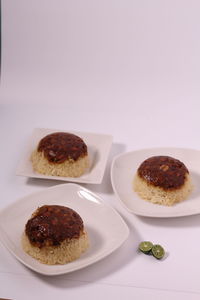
(163, 171)
(52, 224)
(60, 146)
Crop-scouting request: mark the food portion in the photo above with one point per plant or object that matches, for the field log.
(61, 154)
(162, 180)
(55, 235)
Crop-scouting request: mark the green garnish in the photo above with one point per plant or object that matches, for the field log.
(156, 250)
(145, 247)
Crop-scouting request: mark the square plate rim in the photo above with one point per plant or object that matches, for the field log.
(139, 212)
(80, 180)
(79, 266)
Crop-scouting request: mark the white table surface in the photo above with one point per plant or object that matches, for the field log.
(147, 96)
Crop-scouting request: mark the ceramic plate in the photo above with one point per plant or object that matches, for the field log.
(105, 227)
(98, 149)
(124, 168)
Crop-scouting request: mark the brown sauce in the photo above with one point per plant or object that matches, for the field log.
(163, 171)
(60, 146)
(52, 224)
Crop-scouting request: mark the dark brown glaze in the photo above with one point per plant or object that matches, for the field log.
(163, 171)
(52, 224)
(60, 146)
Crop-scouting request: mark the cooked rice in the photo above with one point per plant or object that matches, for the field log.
(67, 251)
(158, 195)
(69, 168)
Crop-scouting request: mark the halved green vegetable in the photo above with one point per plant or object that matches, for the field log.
(158, 251)
(145, 247)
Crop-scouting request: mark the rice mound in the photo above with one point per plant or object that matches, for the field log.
(67, 251)
(69, 168)
(158, 195)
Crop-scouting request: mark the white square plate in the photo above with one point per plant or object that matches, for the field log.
(124, 167)
(105, 227)
(98, 149)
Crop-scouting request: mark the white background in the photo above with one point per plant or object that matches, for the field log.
(126, 68)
